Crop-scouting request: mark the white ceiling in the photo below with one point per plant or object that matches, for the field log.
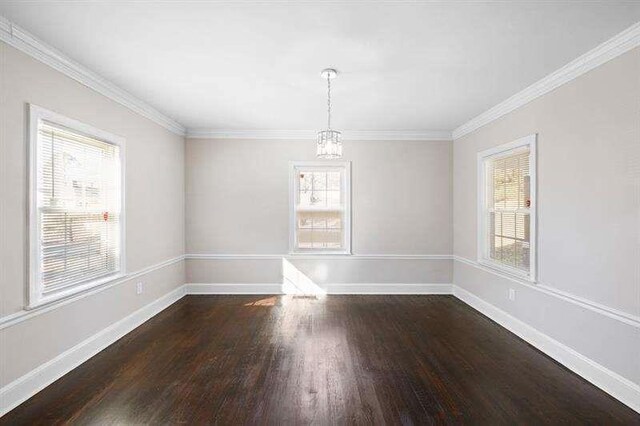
(255, 65)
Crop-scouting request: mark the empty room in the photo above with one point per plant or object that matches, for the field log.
(319, 212)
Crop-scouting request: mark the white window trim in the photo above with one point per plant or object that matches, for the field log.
(483, 258)
(293, 188)
(36, 295)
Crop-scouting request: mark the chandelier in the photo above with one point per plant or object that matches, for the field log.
(329, 141)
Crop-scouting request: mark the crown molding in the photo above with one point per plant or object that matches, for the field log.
(364, 135)
(610, 49)
(22, 40)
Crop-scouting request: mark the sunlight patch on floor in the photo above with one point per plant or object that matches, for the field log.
(268, 301)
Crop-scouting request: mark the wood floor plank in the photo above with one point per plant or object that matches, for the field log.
(335, 360)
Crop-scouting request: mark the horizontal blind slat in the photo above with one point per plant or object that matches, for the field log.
(79, 206)
(509, 209)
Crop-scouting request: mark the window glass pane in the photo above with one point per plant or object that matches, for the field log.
(333, 181)
(498, 184)
(305, 239)
(319, 180)
(305, 181)
(333, 199)
(78, 206)
(304, 199)
(511, 183)
(526, 256)
(524, 183)
(507, 251)
(334, 220)
(319, 220)
(490, 237)
(522, 226)
(508, 224)
(508, 190)
(323, 237)
(498, 250)
(304, 220)
(319, 215)
(319, 198)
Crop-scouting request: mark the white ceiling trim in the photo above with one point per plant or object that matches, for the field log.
(29, 44)
(610, 49)
(366, 135)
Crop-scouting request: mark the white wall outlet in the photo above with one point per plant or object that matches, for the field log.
(512, 294)
(139, 287)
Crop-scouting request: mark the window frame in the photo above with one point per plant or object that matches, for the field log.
(294, 166)
(483, 257)
(37, 295)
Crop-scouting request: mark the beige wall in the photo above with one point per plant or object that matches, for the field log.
(238, 203)
(154, 211)
(588, 211)
(321, 271)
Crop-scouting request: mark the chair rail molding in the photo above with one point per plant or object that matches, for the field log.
(289, 256)
(599, 308)
(25, 314)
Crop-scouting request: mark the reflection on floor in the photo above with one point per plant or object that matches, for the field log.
(336, 359)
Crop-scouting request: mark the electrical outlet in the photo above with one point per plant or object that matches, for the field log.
(512, 294)
(139, 287)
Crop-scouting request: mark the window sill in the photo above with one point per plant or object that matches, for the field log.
(319, 209)
(320, 253)
(57, 295)
(506, 270)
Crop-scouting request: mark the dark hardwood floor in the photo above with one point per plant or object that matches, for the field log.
(339, 360)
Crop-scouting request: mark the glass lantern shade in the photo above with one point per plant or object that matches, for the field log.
(329, 144)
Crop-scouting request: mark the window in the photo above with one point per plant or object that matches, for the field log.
(76, 199)
(320, 207)
(507, 207)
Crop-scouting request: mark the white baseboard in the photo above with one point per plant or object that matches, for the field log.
(351, 288)
(378, 288)
(223, 288)
(23, 388)
(615, 385)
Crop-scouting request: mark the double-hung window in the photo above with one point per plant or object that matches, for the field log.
(320, 200)
(76, 207)
(507, 207)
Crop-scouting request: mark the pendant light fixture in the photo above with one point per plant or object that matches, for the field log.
(329, 141)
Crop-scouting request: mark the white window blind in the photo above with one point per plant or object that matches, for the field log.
(78, 221)
(321, 206)
(507, 207)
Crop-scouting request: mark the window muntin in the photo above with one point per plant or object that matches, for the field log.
(76, 207)
(320, 208)
(507, 207)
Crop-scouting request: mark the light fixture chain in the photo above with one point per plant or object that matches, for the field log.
(329, 143)
(328, 102)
